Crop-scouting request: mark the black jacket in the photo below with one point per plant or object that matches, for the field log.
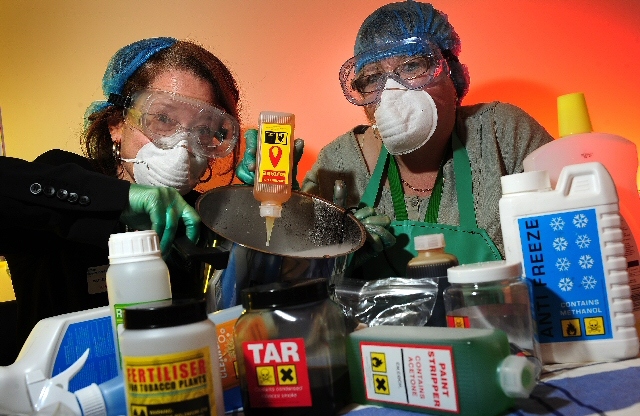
(56, 216)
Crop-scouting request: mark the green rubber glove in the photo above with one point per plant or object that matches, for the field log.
(247, 167)
(160, 209)
(378, 236)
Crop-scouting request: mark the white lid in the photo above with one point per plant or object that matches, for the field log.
(91, 401)
(517, 376)
(429, 242)
(270, 210)
(133, 244)
(537, 180)
(488, 271)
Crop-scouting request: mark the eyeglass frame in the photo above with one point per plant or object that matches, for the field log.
(386, 51)
(130, 110)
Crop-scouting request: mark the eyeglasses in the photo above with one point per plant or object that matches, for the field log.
(162, 115)
(416, 63)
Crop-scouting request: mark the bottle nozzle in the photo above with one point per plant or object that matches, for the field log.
(270, 210)
(517, 376)
(573, 116)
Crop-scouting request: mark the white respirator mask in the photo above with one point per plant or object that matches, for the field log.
(406, 119)
(174, 168)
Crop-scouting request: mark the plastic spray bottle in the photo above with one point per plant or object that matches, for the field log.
(274, 165)
(570, 244)
(439, 371)
(67, 365)
(432, 262)
(579, 144)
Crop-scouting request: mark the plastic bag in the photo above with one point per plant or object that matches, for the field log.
(389, 301)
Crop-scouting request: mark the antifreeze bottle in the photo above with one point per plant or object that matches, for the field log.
(570, 244)
(579, 144)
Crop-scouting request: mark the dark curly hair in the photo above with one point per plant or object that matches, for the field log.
(96, 141)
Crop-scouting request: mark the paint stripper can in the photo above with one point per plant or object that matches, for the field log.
(170, 359)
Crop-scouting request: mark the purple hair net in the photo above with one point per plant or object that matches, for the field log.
(123, 64)
(397, 21)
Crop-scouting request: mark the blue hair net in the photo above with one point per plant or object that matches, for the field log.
(398, 21)
(123, 64)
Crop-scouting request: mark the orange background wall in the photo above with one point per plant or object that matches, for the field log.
(286, 54)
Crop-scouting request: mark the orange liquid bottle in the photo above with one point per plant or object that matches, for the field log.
(274, 165)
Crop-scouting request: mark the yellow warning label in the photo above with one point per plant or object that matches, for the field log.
(571, 328)
(378, 362)
(287, 375)
(381, 384)
(159, 382)
(265, 375)
(594, 325)
(139, 410)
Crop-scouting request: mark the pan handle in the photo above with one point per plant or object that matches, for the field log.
(217, 257)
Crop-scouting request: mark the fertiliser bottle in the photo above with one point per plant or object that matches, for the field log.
(432, 262)
(274, 165)
(569, 242)
(439, 371)
(579, 144)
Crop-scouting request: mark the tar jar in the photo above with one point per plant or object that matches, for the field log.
(493, 294)
(291, 350)
(170, 359)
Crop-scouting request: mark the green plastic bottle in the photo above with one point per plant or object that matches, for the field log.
(440, 371)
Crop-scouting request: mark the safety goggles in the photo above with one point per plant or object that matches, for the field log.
(162, 115)
(414, 63)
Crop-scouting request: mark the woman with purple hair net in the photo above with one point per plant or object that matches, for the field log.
(427, 162)
(168, 123)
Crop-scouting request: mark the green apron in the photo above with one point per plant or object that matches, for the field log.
(467, 242)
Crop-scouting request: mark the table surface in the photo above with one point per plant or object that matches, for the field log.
(611, 389)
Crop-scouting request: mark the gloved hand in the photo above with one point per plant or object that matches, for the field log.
(378, 237)
(160, 209)
(247, 167)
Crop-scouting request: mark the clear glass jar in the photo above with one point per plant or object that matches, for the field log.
(291, 350)
(493, 295)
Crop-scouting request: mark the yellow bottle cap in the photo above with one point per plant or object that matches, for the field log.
(573, 116)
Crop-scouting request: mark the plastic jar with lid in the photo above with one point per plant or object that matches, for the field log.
(291, 350)
(136, 274)
(493, 294)
(170, 359)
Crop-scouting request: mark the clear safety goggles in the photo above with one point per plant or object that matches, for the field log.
(161, 115)
(414, 63)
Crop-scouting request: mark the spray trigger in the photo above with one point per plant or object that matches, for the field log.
(52, 396)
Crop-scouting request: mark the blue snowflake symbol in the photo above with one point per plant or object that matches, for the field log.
(563, 264)
(586, 261)
(560, 244)
(589, 282)
(580, 220)
(565, 284)
(583, 241)
(557, 223)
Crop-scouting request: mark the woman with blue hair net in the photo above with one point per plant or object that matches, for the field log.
(168, 124)
(429, 163)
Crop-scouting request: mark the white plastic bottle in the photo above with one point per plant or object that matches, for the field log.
(136, 273)
(570, 244)
(170, 359)
(579, 144)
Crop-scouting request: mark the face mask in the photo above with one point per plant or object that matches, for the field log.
(175, 168)
(405, 119)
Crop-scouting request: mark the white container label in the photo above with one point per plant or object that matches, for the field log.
(415, 376)
(563, 262)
